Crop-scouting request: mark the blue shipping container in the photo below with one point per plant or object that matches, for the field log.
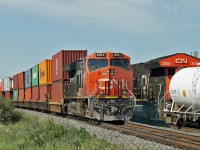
(28, 78)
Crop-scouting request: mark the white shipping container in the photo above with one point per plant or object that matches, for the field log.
(7, 84)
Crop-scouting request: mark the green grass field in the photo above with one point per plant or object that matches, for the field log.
(30, 133)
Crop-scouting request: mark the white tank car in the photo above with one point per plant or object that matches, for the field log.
(185, 87)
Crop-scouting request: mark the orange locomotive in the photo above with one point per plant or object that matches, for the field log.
(100, 87)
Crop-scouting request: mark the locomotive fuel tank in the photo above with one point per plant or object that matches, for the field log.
(185, 87)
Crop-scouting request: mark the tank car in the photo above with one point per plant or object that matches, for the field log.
(100, 87)
(185, 96)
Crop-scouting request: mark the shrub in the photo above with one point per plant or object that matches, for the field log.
(7, 113)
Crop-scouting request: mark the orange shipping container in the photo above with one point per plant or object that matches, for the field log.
(21, 94)
(45, 72)
(28, 94)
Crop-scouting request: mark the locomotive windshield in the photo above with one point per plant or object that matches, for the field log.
(95, 64)
(123, 63)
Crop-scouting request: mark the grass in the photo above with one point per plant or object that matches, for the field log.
(20, 131)
(30, 133)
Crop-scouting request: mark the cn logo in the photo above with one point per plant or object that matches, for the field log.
(42, 73)
(181, 60)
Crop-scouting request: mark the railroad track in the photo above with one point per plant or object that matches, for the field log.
(188, 129)
(176, 139)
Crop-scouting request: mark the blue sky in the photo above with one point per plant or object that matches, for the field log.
(34, 30)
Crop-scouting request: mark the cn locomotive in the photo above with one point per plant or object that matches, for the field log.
(97, 86)
(100, 87)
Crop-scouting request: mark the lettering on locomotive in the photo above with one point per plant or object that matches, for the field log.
(100, 55)
(181, 60)
(117, 55)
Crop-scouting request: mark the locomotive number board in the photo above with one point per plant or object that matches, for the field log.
(117, 55)
(100, 54)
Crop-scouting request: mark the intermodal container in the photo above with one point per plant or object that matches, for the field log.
(35, 74)
(21, 80)
(63, 58)
(15, 82)
(28, 94)
(1, 94)
(0, 86)
(28, 78)
(45, 92)
(15, 95)
(45, 72)
(8, 94)
(35, 93)
(57, 91)
(7, 84)
(21, 94)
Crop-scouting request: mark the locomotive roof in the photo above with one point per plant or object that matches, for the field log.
(153, 63)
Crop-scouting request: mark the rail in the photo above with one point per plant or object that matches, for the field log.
(176, 139)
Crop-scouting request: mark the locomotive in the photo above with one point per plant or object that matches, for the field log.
(100, 87)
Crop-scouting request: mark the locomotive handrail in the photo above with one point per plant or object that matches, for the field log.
(92, 93)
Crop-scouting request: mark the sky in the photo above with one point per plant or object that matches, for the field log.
(34, 30)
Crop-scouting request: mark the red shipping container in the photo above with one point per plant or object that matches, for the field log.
(21, 94)
(8, 95)
(28, 94)
(35, 93)
(15, 82)
(45, 90)
(57, 91)
(21, 80)
(0, 86)
(1, 94)
(63, 58)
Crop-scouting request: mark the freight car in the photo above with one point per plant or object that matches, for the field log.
(184, 107)
(98, 86)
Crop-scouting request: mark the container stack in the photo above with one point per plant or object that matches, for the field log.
(0, 89)
(28, 89)
(35, 83)
(15, 88)
(21, 80)
(59, 77)
(45, 80)
(7, 88)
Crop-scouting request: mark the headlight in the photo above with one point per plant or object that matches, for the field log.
(101, 92)
(124, 92)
